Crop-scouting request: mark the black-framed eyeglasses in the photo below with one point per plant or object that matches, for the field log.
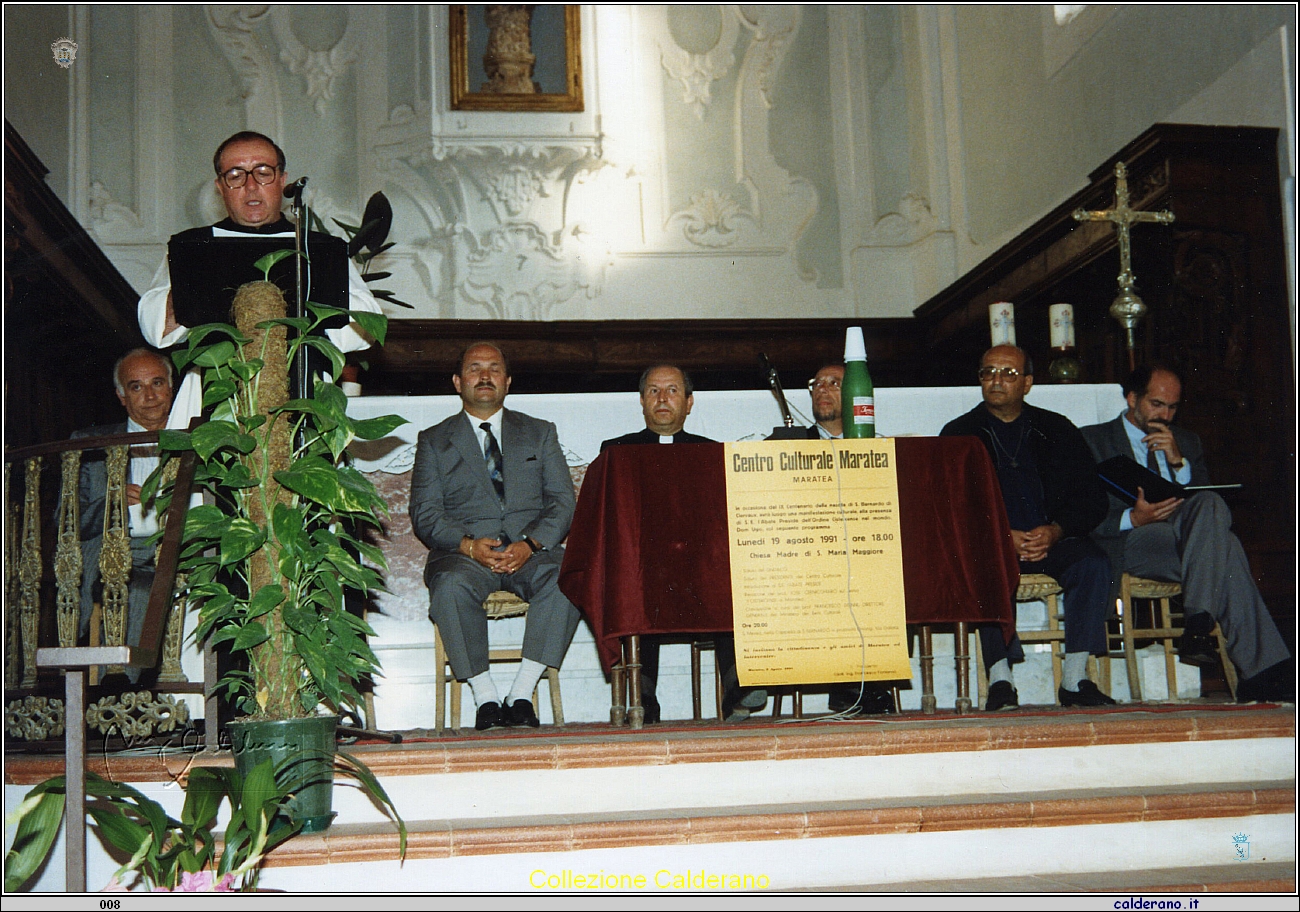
(237, 177)
(824, 383)
(1006, 373)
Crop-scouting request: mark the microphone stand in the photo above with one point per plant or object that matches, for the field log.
(300, 362)
(787, 431)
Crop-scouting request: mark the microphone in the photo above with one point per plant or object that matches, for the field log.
(774, 382)
(294, 190)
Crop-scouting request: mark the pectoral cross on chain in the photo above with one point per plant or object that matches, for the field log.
(1127, 307)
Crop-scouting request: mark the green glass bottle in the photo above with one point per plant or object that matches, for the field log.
(857, 394)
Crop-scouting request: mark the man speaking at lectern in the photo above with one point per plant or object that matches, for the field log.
(250, 179)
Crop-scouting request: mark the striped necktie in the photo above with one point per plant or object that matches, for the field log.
(492, 454)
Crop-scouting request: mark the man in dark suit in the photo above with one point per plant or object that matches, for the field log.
(667, 397)
(143, 379)
(492, 498)
(1053, 500)
(1187, 540)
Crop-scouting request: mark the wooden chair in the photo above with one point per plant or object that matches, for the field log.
(618, 685)
(498, 605)
(1163, 629)
(1039, 587)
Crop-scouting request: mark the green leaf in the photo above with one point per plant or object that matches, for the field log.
(351, 766)
(203, 797)
(250, 635)
(216, 355)
(376, 428)
(239, 540)
(268, 261)
(212, 436)
(267, 598)
(119, 830)
(328, 349)
(218, 390)
(38, 819)
(375, 324)
(376, 276)
(174, 440)
(314, 479)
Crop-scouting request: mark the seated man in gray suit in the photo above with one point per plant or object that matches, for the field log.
(492, 498)
(1188, 540)
(143, 379)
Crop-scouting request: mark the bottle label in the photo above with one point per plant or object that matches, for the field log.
(864, 410)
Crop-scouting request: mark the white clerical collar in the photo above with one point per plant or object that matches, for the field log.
(227, 233)
(666, 438)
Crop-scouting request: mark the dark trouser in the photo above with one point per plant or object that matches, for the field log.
(1083, 570)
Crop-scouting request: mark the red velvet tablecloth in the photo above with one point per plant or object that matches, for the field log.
(648, 549)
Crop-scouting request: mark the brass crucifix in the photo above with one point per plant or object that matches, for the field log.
(1127, 307)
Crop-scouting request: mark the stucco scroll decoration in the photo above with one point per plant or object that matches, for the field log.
(712, 219)
(518, 274)
(697, 71)
(321, 67)
(110, 220)
(909, 224)
(233, 28)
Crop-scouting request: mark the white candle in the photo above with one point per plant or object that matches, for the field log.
(1061, 317)
(1002, 323)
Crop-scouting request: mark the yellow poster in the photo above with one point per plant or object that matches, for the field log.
(816, 561)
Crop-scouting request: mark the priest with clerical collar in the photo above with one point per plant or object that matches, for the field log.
(250, 178)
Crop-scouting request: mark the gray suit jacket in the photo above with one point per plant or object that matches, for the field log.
(1108, 440)
(452, 495)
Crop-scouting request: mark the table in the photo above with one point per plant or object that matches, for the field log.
(648, 549)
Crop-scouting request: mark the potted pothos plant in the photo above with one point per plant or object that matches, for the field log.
(270, 560)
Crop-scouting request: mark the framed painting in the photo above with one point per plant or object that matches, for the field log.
(516, 58)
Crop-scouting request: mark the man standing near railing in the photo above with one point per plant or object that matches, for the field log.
(143, 379)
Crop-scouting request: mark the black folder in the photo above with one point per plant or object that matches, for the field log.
(206, 271)
(1123, 476)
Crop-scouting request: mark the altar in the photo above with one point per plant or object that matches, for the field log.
(404, 641)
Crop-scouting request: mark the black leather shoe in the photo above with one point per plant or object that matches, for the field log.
(521, 712)
(1086, 695)
(1201, 651)
(1002, 697)
(874, 700)
(651, 707)
(489, 716)
(739, 704)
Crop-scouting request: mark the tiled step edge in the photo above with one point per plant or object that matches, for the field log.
(614, 748)
(450, 839)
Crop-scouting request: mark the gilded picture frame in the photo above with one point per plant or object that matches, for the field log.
(551, 82)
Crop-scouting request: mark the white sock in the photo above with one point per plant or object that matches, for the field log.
(1074, 670)
(483, 688)
(530, 672)
(1001, 671)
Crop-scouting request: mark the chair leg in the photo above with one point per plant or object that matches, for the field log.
(618, 694)
(1057, 646)
(440, 675)
(697, 709)
(1130, 647)
(928, 701)
(1171, 664)
(371, 721)
(1229, 670)
(717, 684)
(557, 704)
(981, 674)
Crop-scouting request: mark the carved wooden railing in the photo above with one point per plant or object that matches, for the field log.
(31, 713)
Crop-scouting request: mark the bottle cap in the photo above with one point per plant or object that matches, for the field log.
(854, 348)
